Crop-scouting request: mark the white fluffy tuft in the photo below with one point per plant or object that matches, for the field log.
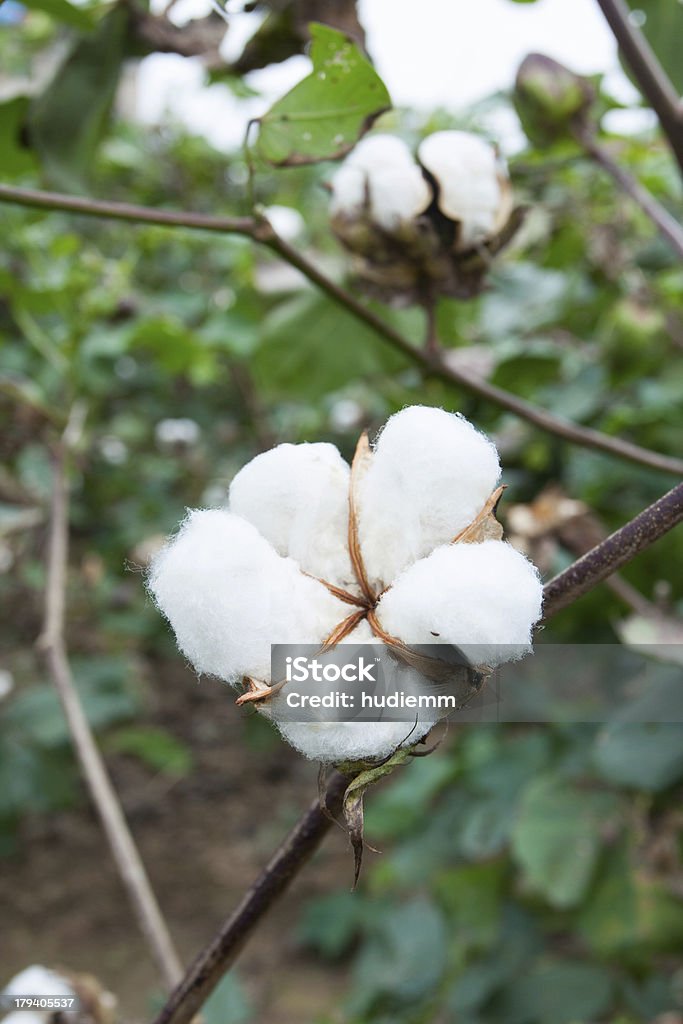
(466, 169)
(229, 596)
(483, 597)
(297, 497)
(380, 173)
(430, 475)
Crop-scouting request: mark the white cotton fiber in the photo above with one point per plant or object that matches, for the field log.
(466, 170)
(37, 981)
(484, 598)
(380, 174)
(228, 596)
(297, 497)
(430, 475)
(334, 742)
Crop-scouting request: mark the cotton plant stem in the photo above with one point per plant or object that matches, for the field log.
(667, 225)
(215, 959)
(648, 72)
(53, 646)
(616, 550)
(432, 362)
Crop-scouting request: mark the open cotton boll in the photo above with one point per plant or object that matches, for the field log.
(430, 475)
(382, 175)
(466, 170)
(36, 981)
(228, 596)
(297, 497)
(483, 597)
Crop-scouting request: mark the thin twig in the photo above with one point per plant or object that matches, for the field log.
(648, 72)
(433, 364)
(212, 963)
(660, 217)
(613, 552)
(52, 643)
(39, 200)
(216, 959)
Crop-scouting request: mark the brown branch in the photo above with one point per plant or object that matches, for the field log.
(660, 217)
(52, 643)
(616, 550)
(433, 364)
(213, 961)
(648, 72)
(35, 199)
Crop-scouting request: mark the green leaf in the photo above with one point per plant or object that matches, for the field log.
(630, 912)
(156, 747)
(404, 958)
(330, 923)
(68, 120)
(62, 10)
(663, 29)
(228, 1004)
(323, 117)
(638, 748)
(15, 158)
(556, 992)
(311, 347)
(556, 838)
(471, 895)
(36, 714)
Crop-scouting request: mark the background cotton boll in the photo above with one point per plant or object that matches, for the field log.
(296, 495)
(466, 170)
(430, 475)
(482, 597)
(229, 596)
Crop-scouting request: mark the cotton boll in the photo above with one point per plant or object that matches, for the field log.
(382, 176)
(467, 173)
(297, 497)
(37, 981)
(484, 598)
(430, 475)
(229, 596)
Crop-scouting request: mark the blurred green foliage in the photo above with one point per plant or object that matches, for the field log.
(530, 874)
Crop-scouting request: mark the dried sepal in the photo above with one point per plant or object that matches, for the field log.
(345, 627)
(485, 526)
(361, 461)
